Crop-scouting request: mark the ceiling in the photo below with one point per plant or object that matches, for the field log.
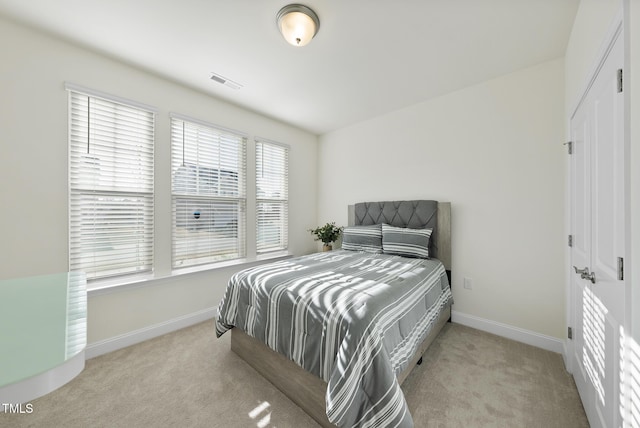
(370, 57)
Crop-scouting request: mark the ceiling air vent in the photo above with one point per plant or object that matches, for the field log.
(227, 82)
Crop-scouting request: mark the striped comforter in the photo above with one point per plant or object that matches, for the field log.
(354, 319)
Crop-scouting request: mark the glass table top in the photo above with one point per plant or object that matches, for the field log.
(43, 323)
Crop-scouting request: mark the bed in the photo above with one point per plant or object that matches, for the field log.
(338, 332)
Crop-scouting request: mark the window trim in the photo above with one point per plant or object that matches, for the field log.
(241, 200)
(185, 118)
(77, 191)
(260, 140)
(72, 87)
(121, 283)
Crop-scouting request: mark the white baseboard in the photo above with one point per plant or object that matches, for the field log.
(514, 333)
(131, 338)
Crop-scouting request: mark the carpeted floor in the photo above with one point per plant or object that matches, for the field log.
(191, 379)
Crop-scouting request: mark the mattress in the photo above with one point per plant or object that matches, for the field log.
(351, 318)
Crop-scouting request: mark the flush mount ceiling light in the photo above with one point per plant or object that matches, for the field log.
(298, 24)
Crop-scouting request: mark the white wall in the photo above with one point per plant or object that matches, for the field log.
(592, 22)
(494, 150)
(33, 173)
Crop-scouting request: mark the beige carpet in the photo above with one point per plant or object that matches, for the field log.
(190, 379)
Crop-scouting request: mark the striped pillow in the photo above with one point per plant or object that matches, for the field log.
(362, 238)
(406, 242)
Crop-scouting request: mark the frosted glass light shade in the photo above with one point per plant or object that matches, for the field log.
(298, 24)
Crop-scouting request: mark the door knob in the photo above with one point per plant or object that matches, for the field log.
(582, 272)
(591, 277)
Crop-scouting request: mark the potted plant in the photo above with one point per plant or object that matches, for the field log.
(328, 234)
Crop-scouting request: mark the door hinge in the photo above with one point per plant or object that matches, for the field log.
(569, 145)
(620, 268)
(570, 241)
(619, 80)
(569, 332)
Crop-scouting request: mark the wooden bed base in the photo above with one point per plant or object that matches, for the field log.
(303, 388)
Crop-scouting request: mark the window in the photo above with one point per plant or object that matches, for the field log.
(110, 186)
(208, 166)
(272, 196)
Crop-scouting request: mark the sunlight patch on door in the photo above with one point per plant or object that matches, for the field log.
(629, 380)
(593, 352)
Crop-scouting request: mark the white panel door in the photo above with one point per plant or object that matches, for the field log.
(597, 223)
(581, 247)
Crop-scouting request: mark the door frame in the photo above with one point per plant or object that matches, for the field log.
(618, 28)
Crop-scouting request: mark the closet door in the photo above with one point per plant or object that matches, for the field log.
(597, 223)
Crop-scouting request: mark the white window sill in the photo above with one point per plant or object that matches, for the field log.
(144, 280)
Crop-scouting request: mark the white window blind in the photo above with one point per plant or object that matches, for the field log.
(208, 167)
(110, 187)
(272, 196)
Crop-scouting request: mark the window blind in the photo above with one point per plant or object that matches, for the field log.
(76, 331)
(111, 155)
(208, 167)
(272, 196)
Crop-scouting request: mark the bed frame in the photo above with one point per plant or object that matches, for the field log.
(307, 390)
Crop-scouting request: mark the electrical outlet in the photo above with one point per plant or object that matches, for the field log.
(468, 283)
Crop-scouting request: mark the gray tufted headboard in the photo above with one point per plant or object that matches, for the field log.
(419, 214)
